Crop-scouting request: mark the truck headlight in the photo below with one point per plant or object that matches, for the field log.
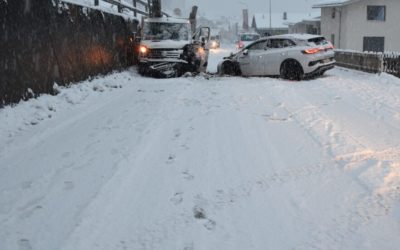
(143, 49)
(201, 51)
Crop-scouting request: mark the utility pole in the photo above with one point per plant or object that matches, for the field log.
(135, 5)
(270, 17)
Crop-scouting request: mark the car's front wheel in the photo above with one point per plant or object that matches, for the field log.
(291, 70)
(230, 68)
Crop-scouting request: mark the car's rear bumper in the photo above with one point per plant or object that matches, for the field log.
(321, 69)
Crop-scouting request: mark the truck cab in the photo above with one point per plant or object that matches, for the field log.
(169, 49)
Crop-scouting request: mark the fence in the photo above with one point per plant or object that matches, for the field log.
(391, 64)
(369, 62)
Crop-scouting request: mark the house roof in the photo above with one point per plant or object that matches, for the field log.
(333, 3)
(277, 21)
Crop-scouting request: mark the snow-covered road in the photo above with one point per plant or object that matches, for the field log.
(125, 162)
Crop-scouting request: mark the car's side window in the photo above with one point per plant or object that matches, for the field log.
(257, 46)
(274, 44)
(288, 43)
(280, 43)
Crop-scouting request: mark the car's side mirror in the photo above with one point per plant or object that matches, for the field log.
(245, 52)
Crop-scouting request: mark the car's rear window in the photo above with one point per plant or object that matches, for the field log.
(318, 40)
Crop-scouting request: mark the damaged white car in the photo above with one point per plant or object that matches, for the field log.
(291, 56)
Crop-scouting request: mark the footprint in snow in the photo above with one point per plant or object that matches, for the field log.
(24, 244)
(177, 133)
(177, 198)
(200, 214)
(171, 159)
(210, 225)
(187, 176)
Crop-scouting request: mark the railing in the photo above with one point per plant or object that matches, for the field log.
(369, 62)
(138, 7)
(135, 4)
(391, 63)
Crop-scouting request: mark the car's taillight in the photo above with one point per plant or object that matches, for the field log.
(311, 51)
(330, 46)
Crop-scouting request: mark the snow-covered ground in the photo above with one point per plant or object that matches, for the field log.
(125, 162)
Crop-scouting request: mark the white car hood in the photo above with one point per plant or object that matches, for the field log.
(164, 44)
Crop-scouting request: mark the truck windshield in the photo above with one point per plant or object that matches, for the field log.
(166, 31)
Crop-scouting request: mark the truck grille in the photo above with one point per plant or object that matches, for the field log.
(160, 54)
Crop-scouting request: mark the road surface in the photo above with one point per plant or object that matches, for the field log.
(126, 162)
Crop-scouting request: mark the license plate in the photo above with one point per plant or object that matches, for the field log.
(326, 60)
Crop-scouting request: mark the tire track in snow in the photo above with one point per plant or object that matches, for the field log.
(371, 205)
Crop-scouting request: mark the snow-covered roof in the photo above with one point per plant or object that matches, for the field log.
(296, 36)
(277, 19)
(333, 3)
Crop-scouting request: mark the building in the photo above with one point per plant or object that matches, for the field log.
(311, 25)
(175, 7)
(276, 23)
(361, 25)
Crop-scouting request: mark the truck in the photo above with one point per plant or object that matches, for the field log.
(171, 47)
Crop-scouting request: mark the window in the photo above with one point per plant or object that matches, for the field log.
(280, 43)
(258, 46)
(376, 13)
(374, 44)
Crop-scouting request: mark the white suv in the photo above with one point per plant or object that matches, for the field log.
(291, 56)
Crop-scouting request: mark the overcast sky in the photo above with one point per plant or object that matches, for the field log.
(233, 7)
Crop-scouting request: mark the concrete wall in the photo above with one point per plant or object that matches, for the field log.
(355, 25)
(42, 43)
(330, 25)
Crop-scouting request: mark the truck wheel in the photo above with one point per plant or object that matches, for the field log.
(142, 69)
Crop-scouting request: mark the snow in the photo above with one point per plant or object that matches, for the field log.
(126, 162)
(333, 3)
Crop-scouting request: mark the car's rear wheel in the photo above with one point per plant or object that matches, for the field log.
(291, 70)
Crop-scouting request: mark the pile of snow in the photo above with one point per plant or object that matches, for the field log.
(29, 113)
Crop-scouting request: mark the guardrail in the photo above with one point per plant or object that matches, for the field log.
(135, 4)
(388, 62)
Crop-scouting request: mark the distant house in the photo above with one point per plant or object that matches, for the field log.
(276, 23)
(311, 25)
(175, 7)
(361, 25)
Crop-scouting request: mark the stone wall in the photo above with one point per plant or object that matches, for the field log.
(43, 42)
